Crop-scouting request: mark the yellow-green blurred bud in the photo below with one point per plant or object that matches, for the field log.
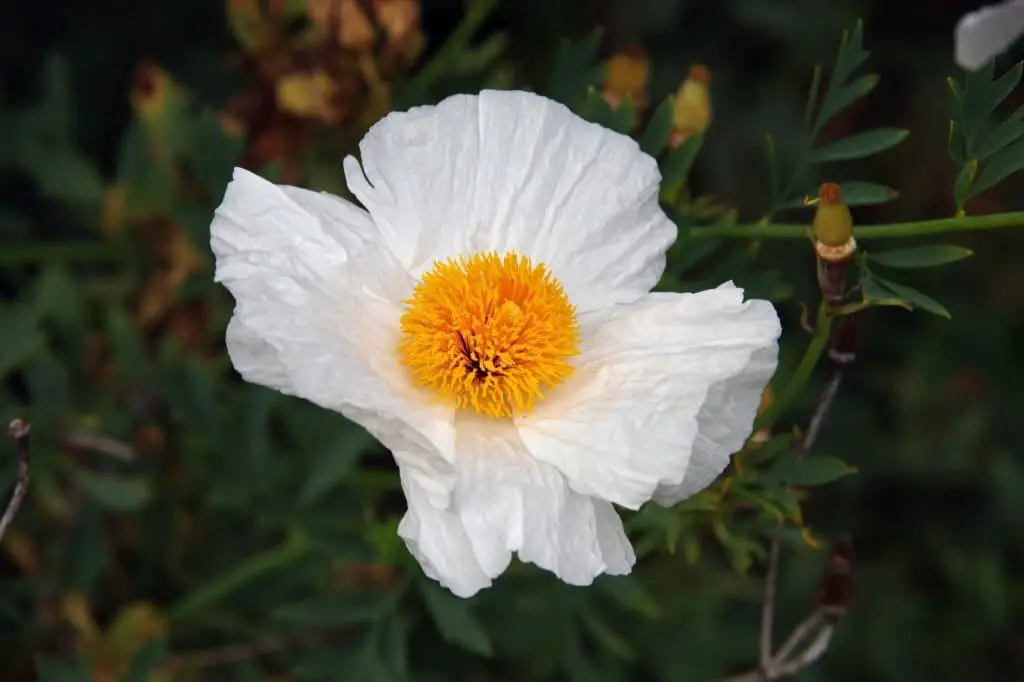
(693, 105)
(833, 224)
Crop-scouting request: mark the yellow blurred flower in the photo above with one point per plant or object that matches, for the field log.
(111, 651)
(693, 106)
(309, 95)
(627, 76)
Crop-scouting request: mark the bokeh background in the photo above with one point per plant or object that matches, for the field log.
(252, 535)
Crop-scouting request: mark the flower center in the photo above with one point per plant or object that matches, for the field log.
(489, 332)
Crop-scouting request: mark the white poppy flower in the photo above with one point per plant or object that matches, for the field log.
(986, 33)
(488, 317)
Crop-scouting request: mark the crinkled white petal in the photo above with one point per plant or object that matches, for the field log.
(317, 316)
(731, 401)
(988, 32)
(665, 390)
(503, 502)
(514, 171)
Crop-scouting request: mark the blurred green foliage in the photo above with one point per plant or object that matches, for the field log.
(182, 524)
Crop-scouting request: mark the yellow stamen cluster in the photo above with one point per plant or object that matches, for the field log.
(489, 332)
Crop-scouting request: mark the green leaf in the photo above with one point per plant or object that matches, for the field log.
(851, 53)
(955, 143)
(673, 529)
(575, 69)
(211, 153)
(677, 166)
(692, 252)
(127, 348)
(478, 60)
(859, 145)
(334, 462)
(766, 284)
(912, 296)
(629, 593)
(839, 94)
(982, 94)
(21, 338)
(455, 620)
(117, 492)
(921, 256)
(808, 471)
(1000, 166)
(330, 611)
(623, 119)
(606, 636)
(446, 58)
(655, 135)
(58, 298)
(964, 181)
(593, 108)
(812, 97)
(63, 174)
(50, 387)
(845, 96)
(999, 89)
(955, 88)
(1006, 132)
(149, 188)
(855, 193)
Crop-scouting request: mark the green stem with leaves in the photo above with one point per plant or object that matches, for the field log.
(921, 228)
(802, 374)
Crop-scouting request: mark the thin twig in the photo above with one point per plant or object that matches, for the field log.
(248, 651)
(821, 411)
(810, 655)
(18, 430)
(799, 634)
(81, 440)
(768, 607)
(227, 655)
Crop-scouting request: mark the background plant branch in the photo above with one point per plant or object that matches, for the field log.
(18, 430)
(920, 228)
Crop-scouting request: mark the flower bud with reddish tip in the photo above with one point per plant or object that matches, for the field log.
(692, 113)
(626, 76)
(834, 244)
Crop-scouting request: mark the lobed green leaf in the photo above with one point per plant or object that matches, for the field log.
(912, 296)
(655, 135)
(859, 145)
(921, 256)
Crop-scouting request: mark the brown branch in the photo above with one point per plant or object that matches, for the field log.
(18, 430)
(783, 663)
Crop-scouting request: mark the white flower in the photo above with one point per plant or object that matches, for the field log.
(528, 383)
(988, 32)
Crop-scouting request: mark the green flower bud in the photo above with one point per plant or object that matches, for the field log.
(833, 224)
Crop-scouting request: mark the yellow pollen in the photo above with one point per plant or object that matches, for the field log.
(489, 332)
